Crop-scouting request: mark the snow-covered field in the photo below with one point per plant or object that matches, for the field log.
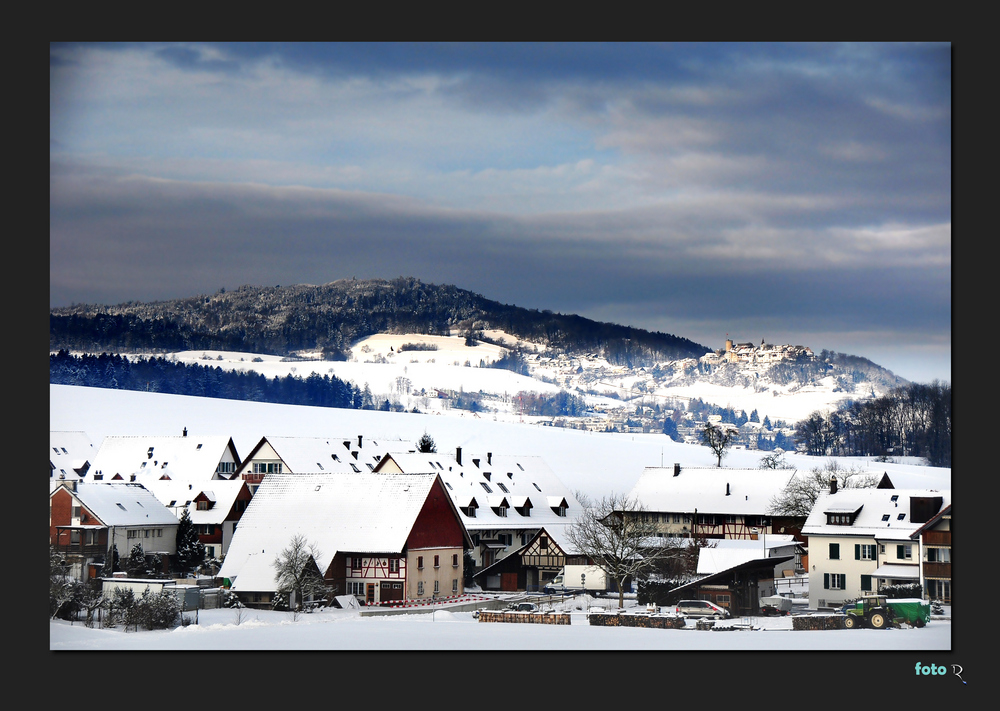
(596, 463)
(345, 630)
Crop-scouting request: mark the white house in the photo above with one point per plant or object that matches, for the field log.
(860, 539)
(87, 518)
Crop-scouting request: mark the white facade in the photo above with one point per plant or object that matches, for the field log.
(860, 539)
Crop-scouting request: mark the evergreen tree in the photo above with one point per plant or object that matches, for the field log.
(190, 551)
(135, 564)
(426, 444)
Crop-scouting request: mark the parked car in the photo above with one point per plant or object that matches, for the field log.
(700, 608)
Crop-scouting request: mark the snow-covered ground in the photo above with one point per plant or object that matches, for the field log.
(333, 629)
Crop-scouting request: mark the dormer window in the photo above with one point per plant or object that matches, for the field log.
(842, 516)
(486, 486)
(502, 487)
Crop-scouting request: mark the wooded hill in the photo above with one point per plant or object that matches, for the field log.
(280, 320)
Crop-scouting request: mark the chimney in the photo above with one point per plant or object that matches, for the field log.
(185, 433)
(458, 454)
(359, 441)
(727, 488)
(489, 457)
(677, 468)
(833, 485)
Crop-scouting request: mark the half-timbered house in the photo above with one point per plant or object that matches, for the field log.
(532, 566)
(711, 502)
(380, 537)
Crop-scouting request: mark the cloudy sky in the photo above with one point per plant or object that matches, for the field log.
(793, 193)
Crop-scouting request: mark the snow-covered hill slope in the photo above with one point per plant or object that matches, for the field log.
(594, 463)
(409, 369)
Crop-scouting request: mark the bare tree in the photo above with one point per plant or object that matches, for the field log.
(617, 535)
(719, 438)
(296, 571)
(803, 489)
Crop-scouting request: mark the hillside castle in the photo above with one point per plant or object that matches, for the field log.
(764, 354)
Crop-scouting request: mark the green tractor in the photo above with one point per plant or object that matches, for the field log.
(870, 611)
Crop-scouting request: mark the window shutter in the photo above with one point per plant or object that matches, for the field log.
(899, 551)
(826, 581)
(857, 551)
(866, 583)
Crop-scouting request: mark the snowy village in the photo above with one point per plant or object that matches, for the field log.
(318, 513)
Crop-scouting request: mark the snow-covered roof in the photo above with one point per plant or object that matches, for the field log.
(881, 513)
(492, 479)
(122, 504)
(360, 513)
(256, 573)
(184, 457)
(319, 454)
(925, 478)
(729, 552)
(177, 495)
(68, 452)
(709, 489)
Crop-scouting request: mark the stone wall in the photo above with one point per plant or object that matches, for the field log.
(539, 618)
(818, 622)
(663, 622)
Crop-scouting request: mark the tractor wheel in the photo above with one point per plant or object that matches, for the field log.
(850, 622)
(877, 620)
